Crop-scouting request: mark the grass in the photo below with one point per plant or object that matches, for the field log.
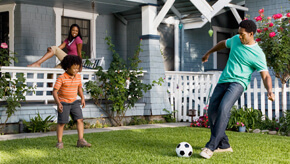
(146, 146)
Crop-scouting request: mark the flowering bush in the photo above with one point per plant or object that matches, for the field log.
(5, 58)
(12, 90)
(273, 36)
(202, 121)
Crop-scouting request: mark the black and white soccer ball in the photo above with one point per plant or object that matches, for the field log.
(183, 149)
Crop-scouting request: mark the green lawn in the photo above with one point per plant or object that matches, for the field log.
(146, 146)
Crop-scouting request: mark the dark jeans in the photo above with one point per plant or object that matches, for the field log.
(219, 112)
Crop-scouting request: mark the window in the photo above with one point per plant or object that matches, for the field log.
(87, 23)
(66, 22)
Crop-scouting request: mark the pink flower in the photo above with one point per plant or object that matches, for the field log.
(245, 18)
(208, 126)
(4, 45)
(259, 30)
(272, 34)
(288, 14)
(271, 24)
(258, 18)
(243, 124)
(258, 39)
(238, 123)
(269, 18)
(261, 11)
(266, 29)
(277, 16)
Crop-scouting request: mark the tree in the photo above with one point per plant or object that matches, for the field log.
(273, 36)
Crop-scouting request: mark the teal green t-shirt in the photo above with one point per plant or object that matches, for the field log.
(243, 61)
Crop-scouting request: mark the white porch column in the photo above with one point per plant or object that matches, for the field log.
(152, 61)
(149, 13)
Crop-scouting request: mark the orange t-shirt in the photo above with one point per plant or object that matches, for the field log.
(67, 87)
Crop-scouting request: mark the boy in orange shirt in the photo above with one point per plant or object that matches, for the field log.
(65, 91)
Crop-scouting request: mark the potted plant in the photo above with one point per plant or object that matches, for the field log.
(241, 126)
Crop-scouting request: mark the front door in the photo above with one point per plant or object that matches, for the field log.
(222, 55)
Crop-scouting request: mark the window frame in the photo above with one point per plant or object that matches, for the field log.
(59, 12)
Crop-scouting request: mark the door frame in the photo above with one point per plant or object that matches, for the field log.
(217, 29)
(10, 8)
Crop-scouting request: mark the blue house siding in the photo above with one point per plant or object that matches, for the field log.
(108, 25)
(196, 43)
(34, 32)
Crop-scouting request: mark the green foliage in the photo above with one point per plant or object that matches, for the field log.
(137, 121)
(285, 122)
(276, 48)
(248, 116)
(268, 124)
(37, 124)
(112, 85)
(170, 116)
(12, 90)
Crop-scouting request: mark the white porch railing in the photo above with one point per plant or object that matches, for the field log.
(192, 90)
(44, 79)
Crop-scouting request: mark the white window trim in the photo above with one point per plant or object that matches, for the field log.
(59, 12)
(10, 8)
(215, 30)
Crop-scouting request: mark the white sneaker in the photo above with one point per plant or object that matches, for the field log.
(219, 150)
(206, 153)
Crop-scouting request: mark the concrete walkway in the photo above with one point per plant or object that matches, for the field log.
(97, 130)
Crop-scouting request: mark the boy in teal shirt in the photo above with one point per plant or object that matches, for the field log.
(245, 57)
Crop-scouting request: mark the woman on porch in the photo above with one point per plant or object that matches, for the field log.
(73, 44)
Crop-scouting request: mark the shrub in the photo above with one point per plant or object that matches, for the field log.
(12, 90)
(120, 87)
(202, 121)
(170, 116)
(285, 122)
(248, 116)
(37, 124)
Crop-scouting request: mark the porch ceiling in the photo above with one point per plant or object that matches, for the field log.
(101, 6)
(188, 12)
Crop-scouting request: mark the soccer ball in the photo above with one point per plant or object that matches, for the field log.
(183, 149)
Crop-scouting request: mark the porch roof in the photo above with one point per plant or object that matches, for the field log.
(100, 7)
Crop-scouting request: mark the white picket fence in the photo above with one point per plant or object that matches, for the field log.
(192, 90)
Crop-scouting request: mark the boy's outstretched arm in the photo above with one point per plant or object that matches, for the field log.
(81, 94)
(55, 96)
(267, 80)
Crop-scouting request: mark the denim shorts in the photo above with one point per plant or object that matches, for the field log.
(73, 109)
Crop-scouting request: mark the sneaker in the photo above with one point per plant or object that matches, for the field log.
(83, 143)
(219, 150)
(59, 145)
(206, 153)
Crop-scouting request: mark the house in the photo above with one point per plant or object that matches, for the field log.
(174, 36)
